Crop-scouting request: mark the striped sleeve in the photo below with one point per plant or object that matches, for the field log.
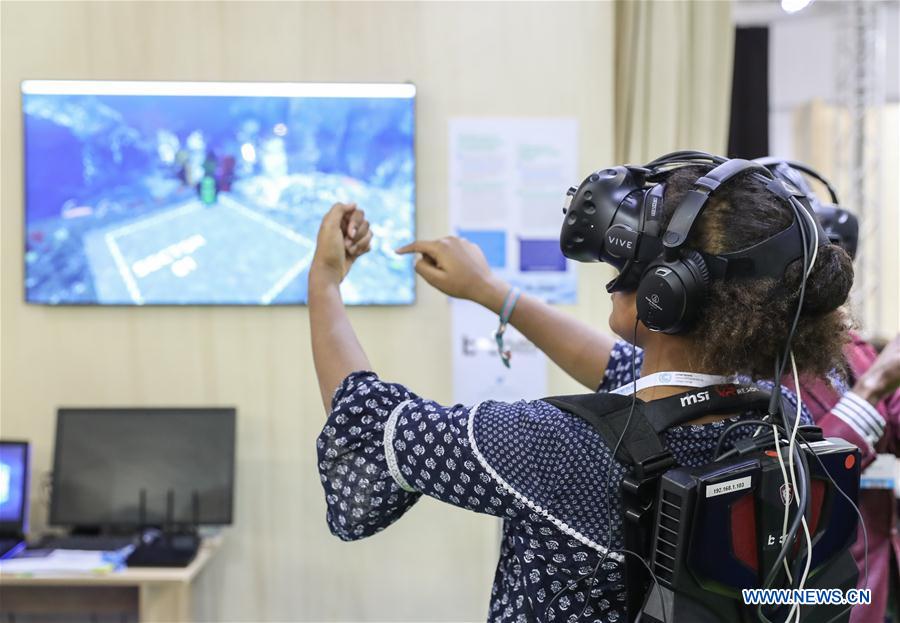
(861, 416)
(851, 426)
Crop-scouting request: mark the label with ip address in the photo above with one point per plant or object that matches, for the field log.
(729, 486)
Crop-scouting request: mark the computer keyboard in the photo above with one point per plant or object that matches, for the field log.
(99, 543)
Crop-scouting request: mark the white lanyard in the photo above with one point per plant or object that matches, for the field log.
(673, 378)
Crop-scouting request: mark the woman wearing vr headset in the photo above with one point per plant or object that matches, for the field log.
(546, 472)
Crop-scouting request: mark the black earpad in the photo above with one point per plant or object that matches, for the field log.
(670, 294)
(698, 265)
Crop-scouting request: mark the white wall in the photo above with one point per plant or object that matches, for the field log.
(279, 561)
(807, 60)
(807, 56)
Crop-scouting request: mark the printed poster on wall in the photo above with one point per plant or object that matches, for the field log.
(508, 178)
(478, 372)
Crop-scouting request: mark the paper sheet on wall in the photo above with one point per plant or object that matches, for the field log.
(508, 178)
(478, 372)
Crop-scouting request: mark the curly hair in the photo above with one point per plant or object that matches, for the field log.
(744, 323)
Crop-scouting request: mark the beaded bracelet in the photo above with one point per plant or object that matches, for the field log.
(506, 310)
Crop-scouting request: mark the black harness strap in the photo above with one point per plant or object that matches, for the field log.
(608, 415)
(715, 399)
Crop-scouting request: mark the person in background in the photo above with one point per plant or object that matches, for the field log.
(545, 471)
(875, 380)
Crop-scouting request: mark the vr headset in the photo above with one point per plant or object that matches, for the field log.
(841, 226)
(616, 214)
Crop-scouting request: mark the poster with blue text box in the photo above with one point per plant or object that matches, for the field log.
(508, 178)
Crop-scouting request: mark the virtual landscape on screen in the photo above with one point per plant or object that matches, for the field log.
(199, 199)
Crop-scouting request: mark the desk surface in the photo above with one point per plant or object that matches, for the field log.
(128, 576)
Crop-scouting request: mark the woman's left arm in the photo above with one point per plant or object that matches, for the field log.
(344, 235)
(382, 446)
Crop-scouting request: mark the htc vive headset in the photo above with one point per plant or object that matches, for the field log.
(616, 216)
(840, 225)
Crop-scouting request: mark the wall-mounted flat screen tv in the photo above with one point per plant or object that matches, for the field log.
(211, 193)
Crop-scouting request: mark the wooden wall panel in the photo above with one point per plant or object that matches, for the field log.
(279, 562)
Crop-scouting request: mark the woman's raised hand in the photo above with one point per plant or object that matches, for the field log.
(344, 235)
(883, 378)
(457, 268)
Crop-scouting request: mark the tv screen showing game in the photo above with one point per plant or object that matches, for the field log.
(211, 193)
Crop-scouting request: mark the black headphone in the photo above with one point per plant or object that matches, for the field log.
(615, 216)
(840, 225)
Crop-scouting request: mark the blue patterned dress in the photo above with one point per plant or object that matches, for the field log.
(545, 472)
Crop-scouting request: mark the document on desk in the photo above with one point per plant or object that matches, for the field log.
(64, 562)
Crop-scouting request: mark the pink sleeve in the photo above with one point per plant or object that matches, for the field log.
(833, 426)
(847, 417)
(890, 408)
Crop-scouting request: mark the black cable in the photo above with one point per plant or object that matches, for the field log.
(573, 583)
(807, 269)
(791, 534)
(773, 163)
(609, 477)
(862, 522)
(803, 468)
(806, 443)
(858, 515)
(619, 443)
(686, 157)
(780, 364)
(802, 495)
(570, 585)
(662, 603)
(788, 542)
(776, 407)
(590, 586)
(738, 424)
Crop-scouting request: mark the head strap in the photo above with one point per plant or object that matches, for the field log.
(778, 164)
(689, 210)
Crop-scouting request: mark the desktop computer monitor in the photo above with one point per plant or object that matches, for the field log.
(116, 469)
(13, 487)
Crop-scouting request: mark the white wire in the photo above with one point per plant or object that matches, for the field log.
(787, 505)
(793, 440)
(791, 445)
(813, 225)
(815, 254)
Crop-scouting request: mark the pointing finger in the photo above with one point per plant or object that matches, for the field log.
(428, 247)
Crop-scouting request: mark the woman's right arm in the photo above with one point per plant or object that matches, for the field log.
(459, 269)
